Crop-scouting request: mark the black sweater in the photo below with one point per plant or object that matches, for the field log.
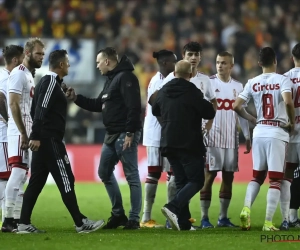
(119, 101)
(182, 107)
(49, 109)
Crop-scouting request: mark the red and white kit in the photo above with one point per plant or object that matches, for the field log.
(293, 152)
(5, 169)
(20, 82)
(222, 139)
(269, 139)
(152, 131)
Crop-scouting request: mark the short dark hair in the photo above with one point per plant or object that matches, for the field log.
(11, 51)
(266, 56)
(296, 51)
(162, 54)
(56, 57)
(192, 46)
(109, 52)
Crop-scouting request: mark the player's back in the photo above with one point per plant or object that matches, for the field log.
(4, 74)
(152, 128)
(294, 76)
(266, 91)
(20, 82)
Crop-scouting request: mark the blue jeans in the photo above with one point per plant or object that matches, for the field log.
(110, 156)
(188, 170)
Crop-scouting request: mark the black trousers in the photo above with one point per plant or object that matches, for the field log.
(188, 170)
(295, 194)
(51, 158)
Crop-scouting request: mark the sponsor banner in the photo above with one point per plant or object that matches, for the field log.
(81, 54)
(85, 160)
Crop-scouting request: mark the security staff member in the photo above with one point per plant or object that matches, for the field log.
(49, 152)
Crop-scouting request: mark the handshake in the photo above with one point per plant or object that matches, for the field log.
(69, 92)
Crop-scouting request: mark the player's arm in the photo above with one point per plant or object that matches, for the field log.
(15, 88)
(286, 88)
(290, 110)
(14, 105)
(3, 107)
(240, 110)
(44, 100)
(246, 132)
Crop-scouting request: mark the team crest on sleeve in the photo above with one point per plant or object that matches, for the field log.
(67, 159)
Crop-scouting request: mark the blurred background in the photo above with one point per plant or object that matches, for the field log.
(137, 28)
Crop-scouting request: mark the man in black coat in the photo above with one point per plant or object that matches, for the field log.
(181, 106)
(120, 104)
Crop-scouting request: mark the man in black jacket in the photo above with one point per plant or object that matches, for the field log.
(120, 104)
(182, 107)
(49, 152)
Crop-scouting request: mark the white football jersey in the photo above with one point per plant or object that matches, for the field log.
(4, 74)
(294, 75)
(20, 82)
(200, 80)
(266, 90)
(223, 133)
(152, 128)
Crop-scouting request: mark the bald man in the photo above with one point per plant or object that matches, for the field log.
(181, 106)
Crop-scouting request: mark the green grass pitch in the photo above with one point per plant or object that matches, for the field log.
(51, 215)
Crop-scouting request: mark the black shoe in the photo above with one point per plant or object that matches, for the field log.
(132, 224)
(9, 226)
(114, 222)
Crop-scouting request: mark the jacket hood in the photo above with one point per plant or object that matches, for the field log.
(177, 87)
(124, 65)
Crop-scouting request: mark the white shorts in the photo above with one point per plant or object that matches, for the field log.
(293, 153)
(5, 169)
(219, 159)
(15, 153)
(268, 155)
(156, 163)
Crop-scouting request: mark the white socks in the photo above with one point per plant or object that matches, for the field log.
(171, 189)
(150, 192)
(19, 200)
(293, 215)
(12, 188)
(2, 197)
(251, 193)
(224, 204)
(285, 196)
(205, 204)
(273, 197)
